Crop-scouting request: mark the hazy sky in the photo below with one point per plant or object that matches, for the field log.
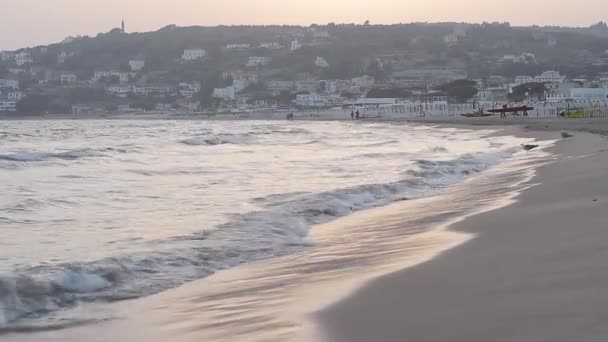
(33, 22)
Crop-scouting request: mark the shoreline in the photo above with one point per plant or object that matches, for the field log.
(330, 270)
(528, 275)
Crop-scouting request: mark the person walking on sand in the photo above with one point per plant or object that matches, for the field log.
(352, 115)
(357, 114)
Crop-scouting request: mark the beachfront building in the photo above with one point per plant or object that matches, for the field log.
(271, 45)
(307, 86)
(550, 77)
(278, 86)
(68, 78)
(309, 100)
(189, 89)
(237, 47)
(119, 90)
(257, 61)
(23, 58)
(589, 93)
(8, 106)
(154, 90)
(193, 54)
(519, 80)
(295, 45)
(9, 83)
(226, 93)
(137, 64)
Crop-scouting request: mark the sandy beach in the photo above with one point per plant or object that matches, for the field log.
(534, 272)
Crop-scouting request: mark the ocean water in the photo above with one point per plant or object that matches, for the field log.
(101, 211)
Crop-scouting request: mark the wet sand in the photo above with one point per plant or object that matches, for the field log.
(536, 270)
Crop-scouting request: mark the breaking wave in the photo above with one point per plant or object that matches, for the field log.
(278, 228)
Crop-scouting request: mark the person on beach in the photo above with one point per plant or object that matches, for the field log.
(357, 114)
(352, 115)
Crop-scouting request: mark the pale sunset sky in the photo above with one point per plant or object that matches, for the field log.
(33, 22)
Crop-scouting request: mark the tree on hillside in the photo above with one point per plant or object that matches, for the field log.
(459, 91)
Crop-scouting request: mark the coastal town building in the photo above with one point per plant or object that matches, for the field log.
(137, 64)
(589, 93)
(271, 45)
(119, 90)
(23, 58)
(237, 46)
(189, 89)
(257, 61)
(519, 80)
(8, 106)
(295, 45)
(278, 86)
(309, 86)
(550, 76)
(154, 90)
(9, 83)
(68, 78)
(226, 93)
(193, 54)
(122, 77)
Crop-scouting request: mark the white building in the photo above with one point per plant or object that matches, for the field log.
(257, 61)
(295, 45)
(589, 93)
(7, 106)
(189, 89)
(550, 77)
(281, 85)
(226, 93)
(8, 83)
(239, 85)
(153, 90)
(23, 58)
(271, 45)
(321, 62)
(68, 78)
(119, 90)
(309, 100)
(193, 54)
(137, 64)
(519, 80)
(237, 46)
(15, 95)
(307, 86)
(123, 77)
(450, 39)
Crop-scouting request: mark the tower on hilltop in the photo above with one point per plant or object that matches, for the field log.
(123, 26)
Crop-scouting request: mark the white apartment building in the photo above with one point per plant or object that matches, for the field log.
(189, 89)
(239, 85)
(23, 58)
(226, 93)
(280, 85)
(153, 90)
(123, 77)
(307, 86)
(295, 45)
(237, 46)
(193, 54)
(271, 45)
(137, 64)
(15, 95)
(7, 106)
(257, 61)
(519, 80)
(550, 77)
(8, 83)
(68, 79)
(309, 100)
(119, 90)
